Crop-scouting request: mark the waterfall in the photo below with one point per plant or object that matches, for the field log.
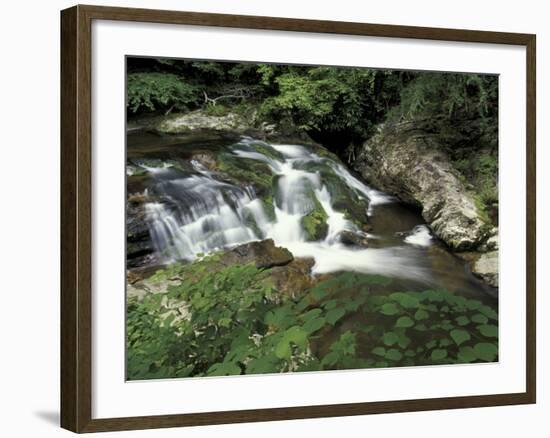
(197, 211)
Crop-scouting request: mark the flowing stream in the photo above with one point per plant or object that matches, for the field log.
(192, 211)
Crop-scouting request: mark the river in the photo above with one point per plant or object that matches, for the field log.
(193, 209)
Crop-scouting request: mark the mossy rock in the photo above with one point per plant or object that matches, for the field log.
(250, 222)
(247, 171)
(269, 208)
(315, 223)
(344, 199)
(264, 149)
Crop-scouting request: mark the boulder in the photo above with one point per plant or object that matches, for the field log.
(486, 267)
(200, 120)
(293, 279)
(140, 250)
(264, 253)
(352, 238)
(411, 165)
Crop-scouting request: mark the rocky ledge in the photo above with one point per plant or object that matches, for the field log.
(247, 123)
(290, 276)
(409, 164)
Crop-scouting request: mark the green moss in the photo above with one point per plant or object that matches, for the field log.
(217, 110)
(482, 210)
(344, 198)
(250, 222)
(269, 209)
(247, 171)
(315, 223)
(268, 151)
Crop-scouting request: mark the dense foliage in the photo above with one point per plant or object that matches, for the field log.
(226, 320)
(336, 106)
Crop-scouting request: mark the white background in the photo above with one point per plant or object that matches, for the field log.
(30, 217)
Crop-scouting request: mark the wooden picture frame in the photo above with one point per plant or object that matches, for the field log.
(76, 217)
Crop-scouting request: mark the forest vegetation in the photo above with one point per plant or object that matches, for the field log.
(229, 238)
(338, 107)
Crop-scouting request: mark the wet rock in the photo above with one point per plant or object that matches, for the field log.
(206, 159)
(139, 246)
(492, 242)
(351, 238)
(315, 223)
(264, 253)
(486, 267)
(344, 199)
(410, 164)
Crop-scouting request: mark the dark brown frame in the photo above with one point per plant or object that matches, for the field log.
(76, 236)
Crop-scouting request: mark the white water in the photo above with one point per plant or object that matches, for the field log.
(420, 236)
(200, 214)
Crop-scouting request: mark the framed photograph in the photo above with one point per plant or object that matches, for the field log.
(270, 218)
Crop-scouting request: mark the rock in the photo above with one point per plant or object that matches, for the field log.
(139, 246)
(486, 267)
(141, 287)
(200, 120)
(264, 253)
(315, 223)
(352, 238)
(293, 279)
(492, 242)
(410, 165)
(248, 122)
(205, 158)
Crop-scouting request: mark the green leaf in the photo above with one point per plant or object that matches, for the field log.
(486, 351)
(466, 354)
(393, 354)
(283, 350)
(313, 325)
(224, 369)
(488, 312)
(330, 359)
(473, 304)
(390, 338)
(319, 293)
(421, 315)
(311, 315)
(331, 304)
(379, 351)
(281, 317)
(389, 309)
(264, 364)
(303, 304)
(334, 315)
(460, 336)
(406, 300)
(353, 305)
(421, 327)
(439, 354)
(376, 280)
(404, 322)
(480, 319)
(489, 331)
(295, 335)
(431, 344)
(462, 320)
(404, 341)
